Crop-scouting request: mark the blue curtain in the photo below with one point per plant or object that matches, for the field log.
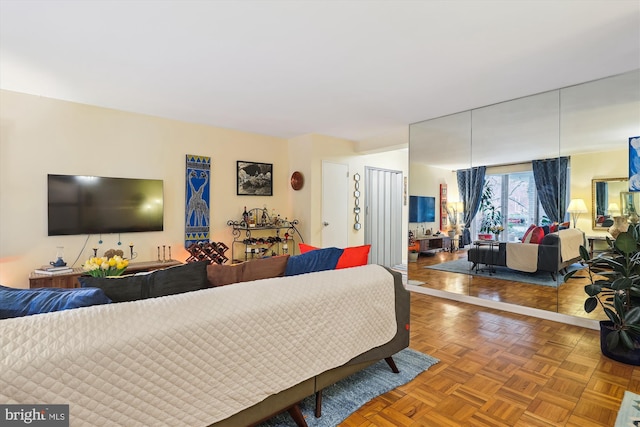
(602, 196)
(550, 176)
(470, 184)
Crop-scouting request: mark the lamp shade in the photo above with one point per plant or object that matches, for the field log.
(577, 206)
(613, 209)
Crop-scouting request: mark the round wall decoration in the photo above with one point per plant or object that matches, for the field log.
(297, 180)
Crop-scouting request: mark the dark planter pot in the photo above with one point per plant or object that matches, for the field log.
(620, 354)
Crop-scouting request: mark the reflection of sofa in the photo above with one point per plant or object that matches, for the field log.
(549, 255)
(225, 356)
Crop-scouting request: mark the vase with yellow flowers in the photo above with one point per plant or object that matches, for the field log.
(103, 266)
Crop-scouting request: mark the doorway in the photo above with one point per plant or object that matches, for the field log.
(335, 201)
(383, 215)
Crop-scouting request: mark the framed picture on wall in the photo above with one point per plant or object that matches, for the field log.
(254, 179)
(634, 163)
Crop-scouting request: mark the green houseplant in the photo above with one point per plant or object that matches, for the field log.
(614, 277)
(491, 216)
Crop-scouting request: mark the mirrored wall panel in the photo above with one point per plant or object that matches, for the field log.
(518, 187)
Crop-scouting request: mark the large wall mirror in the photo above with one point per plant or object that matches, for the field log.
(588, 124)
(607, 197)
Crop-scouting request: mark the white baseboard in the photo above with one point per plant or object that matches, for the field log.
(512, 308)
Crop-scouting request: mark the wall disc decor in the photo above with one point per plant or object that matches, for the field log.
(297, 180)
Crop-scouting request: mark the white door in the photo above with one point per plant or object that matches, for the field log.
(335, 199)
(383, 215)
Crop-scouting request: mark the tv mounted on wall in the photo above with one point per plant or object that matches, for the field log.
(422, 209)
(94, 205)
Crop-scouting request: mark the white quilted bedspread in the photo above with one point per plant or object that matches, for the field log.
(195, 358)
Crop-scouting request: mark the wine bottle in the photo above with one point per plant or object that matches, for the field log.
(245, 217)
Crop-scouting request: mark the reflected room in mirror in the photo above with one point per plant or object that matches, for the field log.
(606, 200)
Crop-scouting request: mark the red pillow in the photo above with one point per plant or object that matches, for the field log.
(535, 236)
(553, 227)
(304, 248)
(353, 256)
(528, 232)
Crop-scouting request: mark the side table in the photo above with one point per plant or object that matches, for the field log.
(490, 258)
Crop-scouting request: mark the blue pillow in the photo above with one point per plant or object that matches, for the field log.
(312, 261)
(24, 302)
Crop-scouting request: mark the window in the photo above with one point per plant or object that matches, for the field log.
(514, 195)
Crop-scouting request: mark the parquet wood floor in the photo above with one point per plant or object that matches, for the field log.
(500, 369)
(566, 299)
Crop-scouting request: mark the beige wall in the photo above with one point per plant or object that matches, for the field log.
(307, 154)
(41, 135)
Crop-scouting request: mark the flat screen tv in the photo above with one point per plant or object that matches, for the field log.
(94, 205)
(422, 209)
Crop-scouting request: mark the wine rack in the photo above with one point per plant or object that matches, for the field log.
(212, 252)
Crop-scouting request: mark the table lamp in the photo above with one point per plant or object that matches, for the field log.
(576, 207)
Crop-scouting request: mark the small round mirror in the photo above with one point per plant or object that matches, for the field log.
(356, 210)
(356, 177)
(356, 226)
(356, 193)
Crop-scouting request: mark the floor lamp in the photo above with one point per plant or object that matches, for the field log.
(576, 207)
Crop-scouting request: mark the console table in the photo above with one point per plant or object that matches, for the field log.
(70, 280)
(429, 244)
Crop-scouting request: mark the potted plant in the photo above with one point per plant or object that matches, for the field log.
(452, 213)
(491, 215)
(414, 248)
(614, 277)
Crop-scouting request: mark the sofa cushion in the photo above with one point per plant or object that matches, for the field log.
(168, 281)
(178, 279)
(24, 302)
(221, 274)
(316, 260)
(528, 232)
(119, 288)
(352, 256)
(535, 235)
(263, 268)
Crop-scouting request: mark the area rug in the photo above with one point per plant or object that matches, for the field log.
(629, 413)
(346, 396)
(463, 266)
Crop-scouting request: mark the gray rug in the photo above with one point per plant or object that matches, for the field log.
(345, 397)
(629, 413)
(539, 278)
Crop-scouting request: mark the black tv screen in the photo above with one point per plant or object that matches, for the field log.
(422, 209)
(93, 205)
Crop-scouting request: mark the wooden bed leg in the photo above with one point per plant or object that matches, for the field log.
(392, 364)
(318, 411)
(297, 416)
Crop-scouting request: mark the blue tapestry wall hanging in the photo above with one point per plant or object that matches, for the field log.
(197, 199)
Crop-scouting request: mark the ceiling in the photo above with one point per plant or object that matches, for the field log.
(359, 70)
